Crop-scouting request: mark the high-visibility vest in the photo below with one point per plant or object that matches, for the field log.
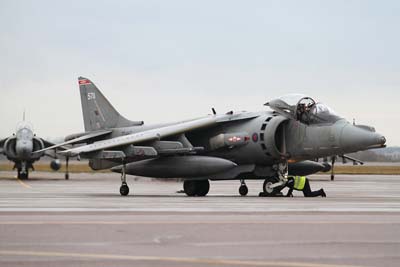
(299, 182)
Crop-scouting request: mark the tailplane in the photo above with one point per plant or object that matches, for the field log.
(97, 111)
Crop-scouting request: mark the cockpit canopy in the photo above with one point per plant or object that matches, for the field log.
(304, 109)
(24, 125)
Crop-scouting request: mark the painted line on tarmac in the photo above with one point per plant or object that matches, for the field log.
(23, 184)
(165, 259)
(186, 222)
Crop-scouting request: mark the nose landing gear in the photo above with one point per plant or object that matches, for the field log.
(273, 185)
(23, 170)
(66, 168)
(270, 189)
(23, 174)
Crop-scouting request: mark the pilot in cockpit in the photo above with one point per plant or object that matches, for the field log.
(304, 109)
(303, 113)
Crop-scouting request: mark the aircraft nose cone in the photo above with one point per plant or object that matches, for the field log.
(355, 138)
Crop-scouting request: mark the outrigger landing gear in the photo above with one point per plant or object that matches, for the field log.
(66, 168)
(333, 169)
(243, 189)
(124, 189)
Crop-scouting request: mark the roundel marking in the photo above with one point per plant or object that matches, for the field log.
(254, 137)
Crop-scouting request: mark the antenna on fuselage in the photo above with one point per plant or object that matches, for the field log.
(213, 111)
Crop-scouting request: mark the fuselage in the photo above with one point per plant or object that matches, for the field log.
(269, 136)
(24, 144)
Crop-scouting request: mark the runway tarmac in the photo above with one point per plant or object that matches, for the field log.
(48, 221)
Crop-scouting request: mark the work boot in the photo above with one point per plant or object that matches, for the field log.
(323, 193)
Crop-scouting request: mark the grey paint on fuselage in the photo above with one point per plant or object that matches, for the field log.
(304, 142)
(24, 143)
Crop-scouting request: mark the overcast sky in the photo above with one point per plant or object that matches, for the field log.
(161, 61)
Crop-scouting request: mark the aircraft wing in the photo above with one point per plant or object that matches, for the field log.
(50, 145)
(230, 116)
(148, 135)
(47, 143)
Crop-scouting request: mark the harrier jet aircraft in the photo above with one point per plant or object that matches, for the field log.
(263, 145)
(19, 147)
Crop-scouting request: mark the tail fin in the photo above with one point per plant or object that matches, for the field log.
(98, 113)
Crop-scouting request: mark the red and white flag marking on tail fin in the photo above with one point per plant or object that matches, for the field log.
(84, 82)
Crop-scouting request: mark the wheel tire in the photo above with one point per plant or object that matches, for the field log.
(66, 176)
(270, 191)
(190, 188)
(124, 190)
(203, 187)
(23, 176)
(243, 190)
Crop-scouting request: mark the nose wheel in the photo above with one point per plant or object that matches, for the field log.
(270, 189)
(124, 189)
(243, 189)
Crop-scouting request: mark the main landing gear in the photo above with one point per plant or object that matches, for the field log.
(196, 187)
(124, 189)
(243, 189)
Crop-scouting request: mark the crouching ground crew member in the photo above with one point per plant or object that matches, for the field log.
(301, 183)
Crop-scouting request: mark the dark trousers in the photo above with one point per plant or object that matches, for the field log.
(308, 193)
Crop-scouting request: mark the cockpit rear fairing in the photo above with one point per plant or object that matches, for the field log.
(304, 109)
